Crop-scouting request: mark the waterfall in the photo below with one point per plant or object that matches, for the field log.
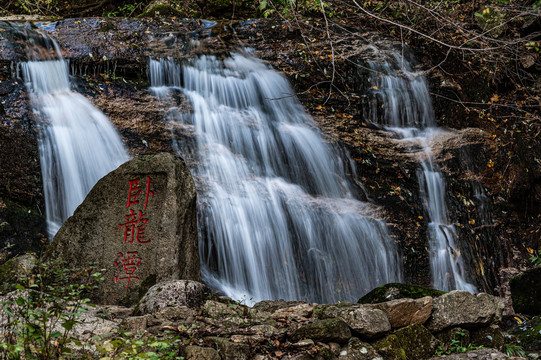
(408, 111)
(278, 217)
(77, 143)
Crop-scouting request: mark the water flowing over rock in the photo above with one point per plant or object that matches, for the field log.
(278, 216)
(77, 143)
(407, 111)
(139, 224)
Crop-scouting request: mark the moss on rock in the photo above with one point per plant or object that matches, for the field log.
(393, 291)
(526, 292)
(528, 333)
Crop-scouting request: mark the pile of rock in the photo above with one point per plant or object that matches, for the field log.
(218, 328)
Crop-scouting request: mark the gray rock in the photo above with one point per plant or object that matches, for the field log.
(299, 312)
(462, 309)
(483, 354)
(176, 313)
(272, 305)
(229, 350)
(362, 319)
(138, 223)
(328, 330)
(173, 293)
(200, 353)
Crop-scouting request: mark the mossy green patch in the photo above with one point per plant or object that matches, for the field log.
(526, 292)
(393, 291)
(412, 342)
(528, 334)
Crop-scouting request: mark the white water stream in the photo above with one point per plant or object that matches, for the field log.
(77, 143)
(278, 217)
(407, 110)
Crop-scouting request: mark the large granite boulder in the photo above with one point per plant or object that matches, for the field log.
(138, 223)
(460, 308)
(526, 292)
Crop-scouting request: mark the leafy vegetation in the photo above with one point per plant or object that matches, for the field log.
(40, 314)
(456, 346)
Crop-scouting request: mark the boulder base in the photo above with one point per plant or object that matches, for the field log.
(138, 223)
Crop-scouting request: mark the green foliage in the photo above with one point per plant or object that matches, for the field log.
(513, 350)
(536, 257)
(40, 314)
(456, 346)
(125, 10)
(33, 7)
(134, 347)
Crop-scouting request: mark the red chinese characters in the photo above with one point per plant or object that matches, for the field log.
(130, 262)
(134, 229)
(136, 220)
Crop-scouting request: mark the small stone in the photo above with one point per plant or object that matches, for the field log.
(172, 294)
(472, 355)
(304, 343)
(200, 353)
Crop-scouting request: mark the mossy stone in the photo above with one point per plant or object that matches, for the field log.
(528, 333)
(412, 342)
(391, 349)
(393, 291)
(526, 292)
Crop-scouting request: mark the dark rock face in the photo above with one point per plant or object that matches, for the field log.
(138, 223)
(526, 292)
(394, 291)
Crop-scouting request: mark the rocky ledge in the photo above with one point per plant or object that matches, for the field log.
(203, 325)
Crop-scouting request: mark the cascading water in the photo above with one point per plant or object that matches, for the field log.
(77, 143)
(408, 111)
(279, 218)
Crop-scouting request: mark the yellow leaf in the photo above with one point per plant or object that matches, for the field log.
(374, 87)
(472, 222)
(420, 217)
(490, 163)
(495, 98)
(530, 250)
(486, 11)
(519, 320)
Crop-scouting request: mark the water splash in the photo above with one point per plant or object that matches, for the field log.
(77, 143)
(278, 216)
(407, 110)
